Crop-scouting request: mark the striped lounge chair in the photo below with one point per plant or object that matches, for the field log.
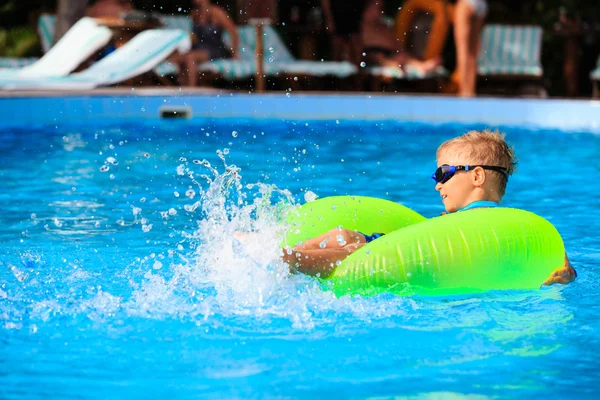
(277, 61)
(12, 63)
(47, 22)
(595, 77)
(228, 69)
(77, 45)
(139, 55)
(45, 28)
(511, 53)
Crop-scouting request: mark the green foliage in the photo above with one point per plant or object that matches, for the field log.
(19, 42)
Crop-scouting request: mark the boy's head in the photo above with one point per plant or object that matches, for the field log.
(473, 167)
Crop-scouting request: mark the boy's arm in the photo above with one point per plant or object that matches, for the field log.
(319, 262)
(564, 274)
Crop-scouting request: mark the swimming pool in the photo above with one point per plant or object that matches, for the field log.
(117, 280)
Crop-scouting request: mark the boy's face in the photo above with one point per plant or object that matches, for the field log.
(460, 190)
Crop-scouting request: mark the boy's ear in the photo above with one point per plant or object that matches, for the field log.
(478, 176)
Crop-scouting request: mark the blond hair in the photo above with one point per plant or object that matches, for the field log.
(484, 148)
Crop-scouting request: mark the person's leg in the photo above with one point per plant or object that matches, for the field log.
(193, 59)
(463, 15)
(471, 67)
(179, 60)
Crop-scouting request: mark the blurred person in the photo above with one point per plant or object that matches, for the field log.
(109, 8)
(342, 18)
(209, 21)
(382, 48)
(469, 17)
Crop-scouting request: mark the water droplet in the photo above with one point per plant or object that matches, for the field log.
(132, 89)
(191, 207)
(157, 265)
(182, 159)
(310, 196)
(234, 134)
(172, 211)
(104, 168)
(363, 64)
(243, 48)
(176, 194)
(338, 262)
(287, 95)
(340, 240)
(190, 193)
(225, 150)
(142, 109)
(112, 160)
(271, 50)
(143, 200)
(147, 155)
(295, 78)
(271, 59)
(408, 274)
(323, 244)
(333, 207)
(364, 54)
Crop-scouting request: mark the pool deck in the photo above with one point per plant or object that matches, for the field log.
(21, 107)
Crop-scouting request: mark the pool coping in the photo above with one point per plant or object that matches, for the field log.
(150, 103)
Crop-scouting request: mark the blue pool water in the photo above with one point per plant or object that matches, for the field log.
(119, 277)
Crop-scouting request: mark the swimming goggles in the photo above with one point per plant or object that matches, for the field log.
(444, 173)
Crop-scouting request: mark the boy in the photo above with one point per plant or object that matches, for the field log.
(473, 171)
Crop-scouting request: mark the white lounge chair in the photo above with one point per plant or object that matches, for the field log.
(142, 53)
(77, 45)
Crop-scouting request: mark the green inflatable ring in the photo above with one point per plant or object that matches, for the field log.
(467, 252)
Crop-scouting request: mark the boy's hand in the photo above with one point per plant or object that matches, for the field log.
(561, 275)
(564, 274)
